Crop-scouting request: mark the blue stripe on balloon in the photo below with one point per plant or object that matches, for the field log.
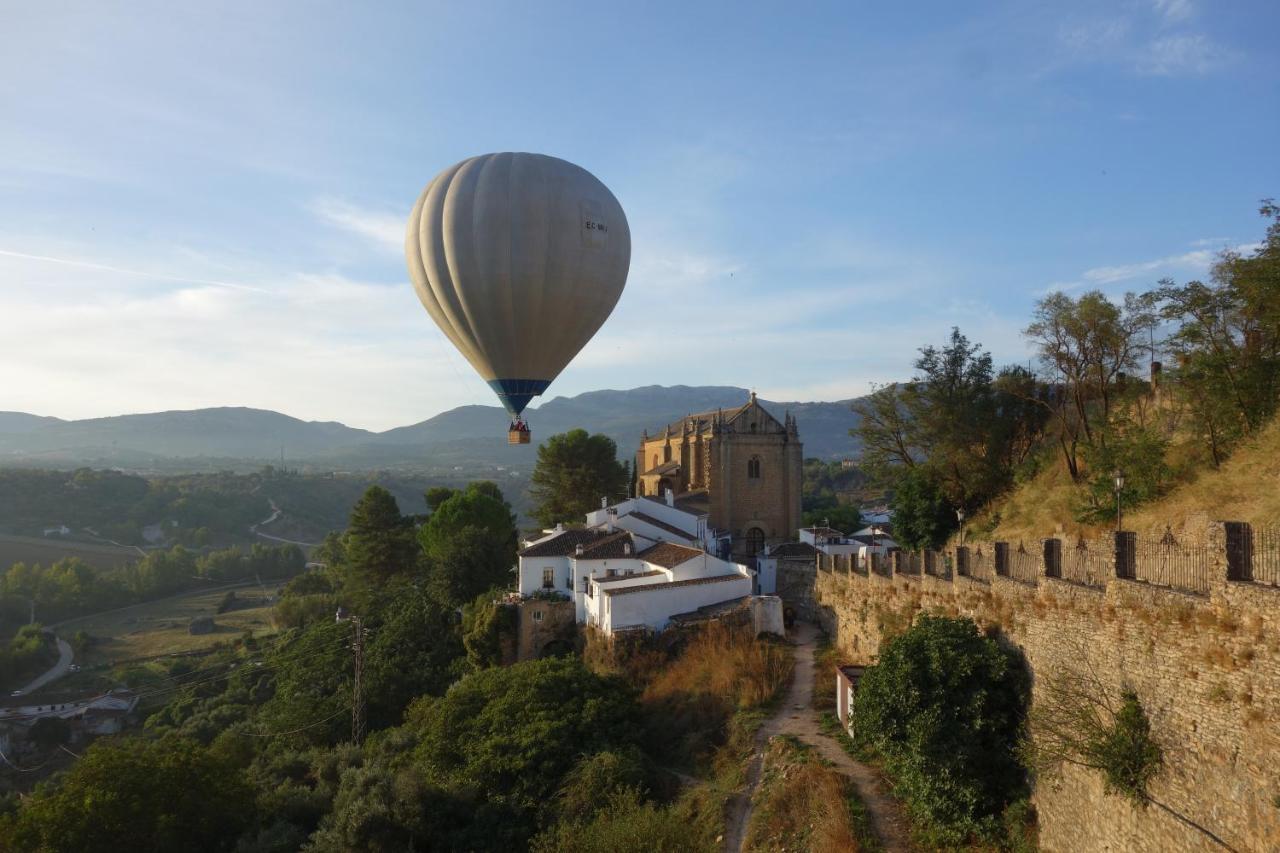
(515, 394)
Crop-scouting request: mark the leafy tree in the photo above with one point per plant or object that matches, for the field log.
(313, 682)
(378, 543)
(505, 739)
(1226, 340)
(437, 495)
(1086, 345)
(1137, 451)
(956, 421)
(574, 470)
(922, 516)
(946, 707)
(382, 809)
(486, 625)
(137, 794)
(470, 542)
(415, 649)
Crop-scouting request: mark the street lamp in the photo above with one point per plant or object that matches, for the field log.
(1118, 476)
(960, 518)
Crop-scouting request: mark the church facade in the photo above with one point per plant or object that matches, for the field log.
(741, 468)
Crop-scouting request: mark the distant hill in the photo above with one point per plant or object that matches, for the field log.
(465, 436)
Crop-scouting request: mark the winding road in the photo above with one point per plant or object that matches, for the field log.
(797, 717)
(59, 669)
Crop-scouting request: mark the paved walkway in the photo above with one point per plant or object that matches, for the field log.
(796, 717)
(59, 669)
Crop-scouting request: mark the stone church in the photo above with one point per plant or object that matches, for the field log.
(740, 468)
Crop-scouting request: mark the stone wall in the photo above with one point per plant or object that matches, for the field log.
(796, 582)
(1206, 668)
(541, 622)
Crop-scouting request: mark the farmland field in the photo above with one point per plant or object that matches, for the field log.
(28, 549)
(160, 627)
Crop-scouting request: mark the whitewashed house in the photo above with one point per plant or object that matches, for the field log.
(636, 565)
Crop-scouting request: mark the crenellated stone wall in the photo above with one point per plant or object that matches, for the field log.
(1206, 667)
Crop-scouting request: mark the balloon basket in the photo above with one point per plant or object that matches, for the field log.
(518, 436)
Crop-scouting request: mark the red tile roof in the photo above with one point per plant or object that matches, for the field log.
(669, 554)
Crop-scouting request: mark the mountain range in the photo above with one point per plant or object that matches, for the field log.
(462, 437)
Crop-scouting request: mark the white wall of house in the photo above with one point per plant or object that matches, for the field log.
(766, 575)
(532, 569)
(654, 606)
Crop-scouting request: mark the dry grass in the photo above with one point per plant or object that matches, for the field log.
(1245, 488)
(801, 805)
(730, 665)
(160, 627)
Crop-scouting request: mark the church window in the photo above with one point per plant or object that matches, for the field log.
(755, 541)
(753, 468)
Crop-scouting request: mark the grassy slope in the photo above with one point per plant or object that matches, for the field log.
(1245, 488)
(160, 627)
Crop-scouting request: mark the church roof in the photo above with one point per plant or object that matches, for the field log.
(665, 468)
(701, 422)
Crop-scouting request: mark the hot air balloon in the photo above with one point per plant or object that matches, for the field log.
(519, 258)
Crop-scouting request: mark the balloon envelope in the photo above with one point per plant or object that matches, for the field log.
(519, 258)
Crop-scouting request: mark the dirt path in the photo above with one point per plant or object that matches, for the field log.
(796, 717)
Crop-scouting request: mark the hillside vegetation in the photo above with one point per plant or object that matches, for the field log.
(1245, 487)
(1013, 453)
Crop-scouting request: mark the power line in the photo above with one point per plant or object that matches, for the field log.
(340, 711)
(357, 682)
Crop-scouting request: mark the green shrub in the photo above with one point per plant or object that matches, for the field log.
(1126, 752)
(946, 707)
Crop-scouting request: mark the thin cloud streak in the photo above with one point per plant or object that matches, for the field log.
(384, 230)
(71, 262)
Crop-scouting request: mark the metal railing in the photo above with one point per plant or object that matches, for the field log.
(1088, 561)
(1023, 565)
(1172, 561)
(1264, 554)
(982, 562)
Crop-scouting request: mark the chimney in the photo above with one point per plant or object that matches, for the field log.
(577, 550)
(671, 497)
(559, 527)
(626, 548)
(611, 518)
(604, 502)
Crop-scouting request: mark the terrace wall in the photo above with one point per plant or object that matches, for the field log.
(1204, 661)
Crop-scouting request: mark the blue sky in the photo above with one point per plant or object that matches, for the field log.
(203, 204)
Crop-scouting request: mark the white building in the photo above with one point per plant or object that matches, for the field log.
(637, 564)
(874, 539)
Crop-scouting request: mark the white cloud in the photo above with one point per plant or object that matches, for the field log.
(385, 231)
(1196, 262)
(1180, 54)
(1199, 259)
(91, 340)
(1173, 11)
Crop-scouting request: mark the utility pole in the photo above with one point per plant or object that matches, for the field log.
(357, 687)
